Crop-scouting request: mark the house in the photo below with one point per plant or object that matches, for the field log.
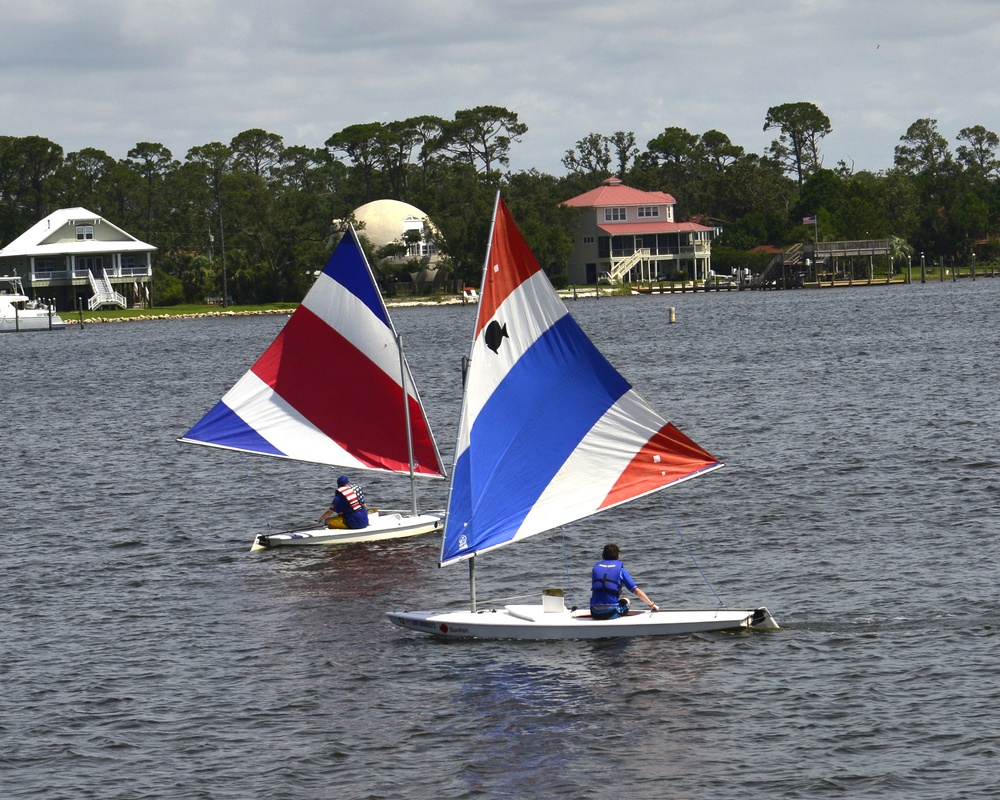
(392, 222)
(74, 254)
(628, 235)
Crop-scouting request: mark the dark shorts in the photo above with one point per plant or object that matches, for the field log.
(610, 612)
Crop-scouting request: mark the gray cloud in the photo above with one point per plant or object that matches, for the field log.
(110, 73)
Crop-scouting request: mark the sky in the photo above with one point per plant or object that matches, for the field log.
(111, 73)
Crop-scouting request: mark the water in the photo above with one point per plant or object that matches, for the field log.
(145, 653)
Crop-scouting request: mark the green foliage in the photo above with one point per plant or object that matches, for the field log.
(800, 126)
(259, 213)
(726, 259)
(167, 289)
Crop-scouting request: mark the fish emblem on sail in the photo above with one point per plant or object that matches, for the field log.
(495, 334)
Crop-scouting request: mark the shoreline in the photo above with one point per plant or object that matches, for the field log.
(454, 300)
(444, 300)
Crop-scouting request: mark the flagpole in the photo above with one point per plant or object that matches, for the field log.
(816, 239)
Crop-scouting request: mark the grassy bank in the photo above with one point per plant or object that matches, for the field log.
(202, 310)
(188, 310)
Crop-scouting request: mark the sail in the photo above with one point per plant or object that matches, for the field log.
(549, 432)
(328, 389)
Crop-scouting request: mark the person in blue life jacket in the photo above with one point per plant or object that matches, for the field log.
(606, 581)
(347, 509)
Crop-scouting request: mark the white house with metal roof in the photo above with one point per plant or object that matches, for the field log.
(74, 253)
(630, 235)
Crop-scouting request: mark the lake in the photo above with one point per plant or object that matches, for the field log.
(146, 653)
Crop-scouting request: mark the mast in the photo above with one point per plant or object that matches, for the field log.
(467, 363)
(409, 428)
(472, 582)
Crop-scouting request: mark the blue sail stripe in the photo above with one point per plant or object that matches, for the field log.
(347, 267)
(223, 427)
(516, 452)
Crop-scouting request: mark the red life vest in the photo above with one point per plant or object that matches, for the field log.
(351, 494)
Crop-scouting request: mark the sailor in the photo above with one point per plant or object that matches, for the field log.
(606, 581)
(347, 509)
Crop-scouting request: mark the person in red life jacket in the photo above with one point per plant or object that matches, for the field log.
(347, 509)
(606, 581)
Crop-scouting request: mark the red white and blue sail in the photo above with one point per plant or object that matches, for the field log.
(550, 432)
(329, 389)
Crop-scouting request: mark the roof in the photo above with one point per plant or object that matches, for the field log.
(631, 228)
(385, 221)
(51, 237)
(615, 193)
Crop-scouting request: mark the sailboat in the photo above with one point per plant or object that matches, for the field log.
(334, 388)
(551, 433)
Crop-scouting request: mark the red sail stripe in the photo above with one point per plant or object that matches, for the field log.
(307, 363)
(679, 458)
(517, 264)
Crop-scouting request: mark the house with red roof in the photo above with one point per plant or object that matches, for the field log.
(630, 236)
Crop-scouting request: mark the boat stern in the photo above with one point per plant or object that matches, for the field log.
(761, 619)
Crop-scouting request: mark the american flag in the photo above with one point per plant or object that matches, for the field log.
(809, 220)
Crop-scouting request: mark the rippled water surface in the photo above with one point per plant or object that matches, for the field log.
(146, 653)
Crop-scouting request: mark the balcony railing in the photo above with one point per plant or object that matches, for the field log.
(137, 271)
(696, 249)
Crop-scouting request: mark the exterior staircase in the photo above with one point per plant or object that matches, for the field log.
(104, 293)
(776, 273)
(620, 268)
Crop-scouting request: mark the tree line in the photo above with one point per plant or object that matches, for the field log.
(258, 214)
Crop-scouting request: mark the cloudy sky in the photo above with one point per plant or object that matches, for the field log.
(111, 73)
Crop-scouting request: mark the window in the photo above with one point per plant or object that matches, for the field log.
(588, 239)
(614, 215)
(84, 232)
(648, 211)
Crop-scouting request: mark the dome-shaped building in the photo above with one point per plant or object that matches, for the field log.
(392, 222)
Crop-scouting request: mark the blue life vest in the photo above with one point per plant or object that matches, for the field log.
(606, 582)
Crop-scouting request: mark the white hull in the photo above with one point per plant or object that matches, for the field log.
(30, 321)
(383, 525)
(533, 622)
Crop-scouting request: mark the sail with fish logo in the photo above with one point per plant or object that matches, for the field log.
(550, 433)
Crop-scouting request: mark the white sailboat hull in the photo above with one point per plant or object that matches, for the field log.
(534, 622)
(383, 525)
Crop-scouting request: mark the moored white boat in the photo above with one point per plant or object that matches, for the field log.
(18, 312)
